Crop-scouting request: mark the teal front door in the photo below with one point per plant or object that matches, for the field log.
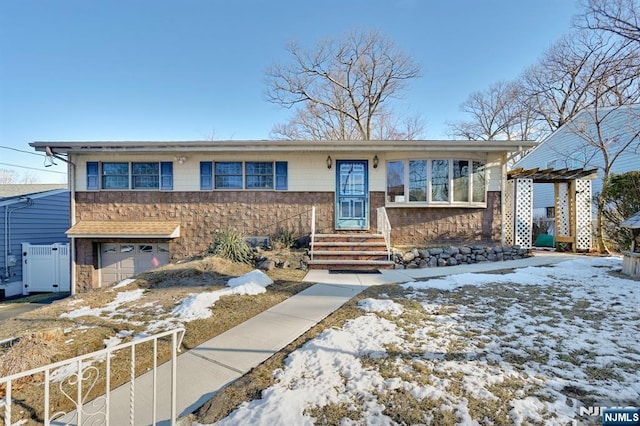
(352, 194)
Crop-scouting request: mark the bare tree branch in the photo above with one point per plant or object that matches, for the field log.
(347, 80)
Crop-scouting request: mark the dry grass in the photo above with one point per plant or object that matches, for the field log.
(43, 336)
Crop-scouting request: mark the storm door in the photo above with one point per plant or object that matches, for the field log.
(352, 194)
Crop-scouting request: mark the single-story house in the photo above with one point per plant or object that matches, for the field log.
(31, 213)
(568, 148)
(136, 205)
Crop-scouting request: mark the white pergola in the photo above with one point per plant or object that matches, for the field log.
(572, 206)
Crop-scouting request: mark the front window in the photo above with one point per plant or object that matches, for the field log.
(228, 175)
(440, 180)
(459, 182)
(259, 175)
(418, 180)
(115, 175)
(395, 181)
(145, 175)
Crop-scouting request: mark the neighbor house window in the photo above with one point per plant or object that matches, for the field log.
(259, 175)
(228, 175)
(137, 175)
(436, 182)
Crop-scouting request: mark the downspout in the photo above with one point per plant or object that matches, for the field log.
(71, 173)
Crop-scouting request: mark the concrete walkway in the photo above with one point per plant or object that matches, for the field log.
(228, 356)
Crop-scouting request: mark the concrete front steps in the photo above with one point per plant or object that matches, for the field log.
(350, 252)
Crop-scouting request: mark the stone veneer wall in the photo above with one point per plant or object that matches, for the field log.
(419, 227)
(200, 214)
(262, 213)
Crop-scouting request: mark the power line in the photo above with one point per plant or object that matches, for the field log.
(33, 168)
(20, 150)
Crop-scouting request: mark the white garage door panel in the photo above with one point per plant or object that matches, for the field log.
(124, 260)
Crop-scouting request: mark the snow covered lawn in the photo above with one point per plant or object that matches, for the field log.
(527, 347)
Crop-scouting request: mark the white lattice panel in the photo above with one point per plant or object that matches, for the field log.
(523, 225)
(563, 210)
(508, 212)
(583, 214)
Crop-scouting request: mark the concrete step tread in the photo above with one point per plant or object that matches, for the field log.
(349, 252)
(350, 262)
(349, 244)
(349, 235)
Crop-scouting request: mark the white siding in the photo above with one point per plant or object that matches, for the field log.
(306, 171)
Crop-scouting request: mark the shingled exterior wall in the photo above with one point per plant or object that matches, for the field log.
(262, 213)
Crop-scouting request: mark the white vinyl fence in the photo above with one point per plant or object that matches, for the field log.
(45, 268)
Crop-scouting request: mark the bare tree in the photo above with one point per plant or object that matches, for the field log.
(498, 113)
(8, 176)
(620, 17)
(340, 86)
(11, 177)
(562, 83)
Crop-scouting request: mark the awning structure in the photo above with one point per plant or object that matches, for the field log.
(552, 175)
(110, 229)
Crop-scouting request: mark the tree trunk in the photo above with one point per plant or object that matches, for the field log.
(600, 244)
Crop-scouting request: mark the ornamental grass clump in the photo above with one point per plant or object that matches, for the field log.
(230, 244)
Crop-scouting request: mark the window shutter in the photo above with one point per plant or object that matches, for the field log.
(206, 175)
(166, 175)
(282, 183)
(92, 175)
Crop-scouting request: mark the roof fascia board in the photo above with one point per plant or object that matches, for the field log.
(284, 146)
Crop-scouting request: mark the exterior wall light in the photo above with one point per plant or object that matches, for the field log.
(329, 162)
(375, 161)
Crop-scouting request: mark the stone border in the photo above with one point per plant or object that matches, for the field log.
(450, 256)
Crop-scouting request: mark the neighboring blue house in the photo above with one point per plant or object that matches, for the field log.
(567, 148)
(30, 213)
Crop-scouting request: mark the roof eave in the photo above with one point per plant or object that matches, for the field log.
(284, 146)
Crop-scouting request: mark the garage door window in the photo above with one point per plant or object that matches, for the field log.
(145, 248)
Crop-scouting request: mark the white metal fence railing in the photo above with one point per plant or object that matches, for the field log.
(384, 228)
(79, 390)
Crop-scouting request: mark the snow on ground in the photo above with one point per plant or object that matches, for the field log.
(531, 346)
(191, 308)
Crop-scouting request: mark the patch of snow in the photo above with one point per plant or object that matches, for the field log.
(256, 277)
(123, 283)
(383, 306)
(122, 298)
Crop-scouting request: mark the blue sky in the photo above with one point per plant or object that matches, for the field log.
(194, 69)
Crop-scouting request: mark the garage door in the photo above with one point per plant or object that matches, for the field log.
(124, 260)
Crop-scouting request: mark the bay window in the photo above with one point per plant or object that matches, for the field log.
(436, 182)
